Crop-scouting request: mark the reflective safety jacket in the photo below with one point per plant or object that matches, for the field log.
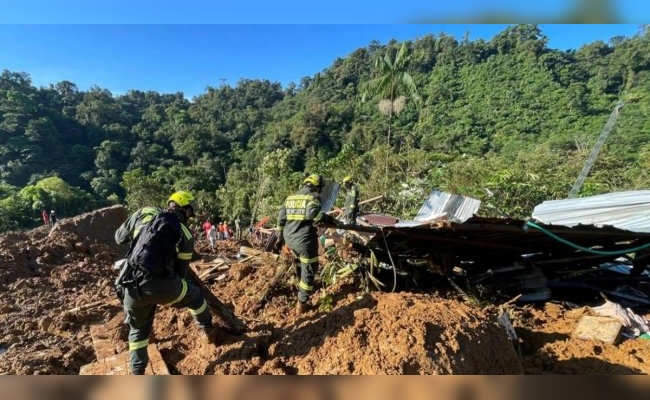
(352, 200)
(184, 244)
(131, 227)
(297, 217)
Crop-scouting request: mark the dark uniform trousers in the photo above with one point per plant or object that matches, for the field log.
(307, 254)
(140, 308)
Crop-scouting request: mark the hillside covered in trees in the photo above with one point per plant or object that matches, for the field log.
(509, 117)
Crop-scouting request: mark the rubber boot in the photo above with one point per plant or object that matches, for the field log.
(301, 307)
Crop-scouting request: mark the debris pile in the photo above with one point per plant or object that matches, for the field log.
(59, 316)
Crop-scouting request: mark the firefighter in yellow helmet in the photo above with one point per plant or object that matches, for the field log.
(351, 201)
(159, 255)
(296, 223)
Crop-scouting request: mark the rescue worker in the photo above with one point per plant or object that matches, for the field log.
(351, 201)
(131, 227)
(296, 220)
(154, 273)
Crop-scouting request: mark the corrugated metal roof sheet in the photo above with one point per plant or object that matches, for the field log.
(328, 195)
(457, 208)
(624, 210)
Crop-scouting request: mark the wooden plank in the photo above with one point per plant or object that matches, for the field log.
(218, 275)
(156, 362)
(86, 306)
(249, 251)
(605, 329)
(101, 341)
(340, 210)
(225, 317)
(248, 258)
(101, 336)
(119, 364)
(213, 268)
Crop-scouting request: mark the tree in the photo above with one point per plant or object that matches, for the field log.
(143, 189)
(392, 80)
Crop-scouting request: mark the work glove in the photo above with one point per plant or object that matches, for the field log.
(331, 221)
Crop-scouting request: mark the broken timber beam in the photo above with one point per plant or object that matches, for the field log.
(249, 251)
(360, 203)
(219, 267)
(227, 318)
(90, 305)
(119, 364)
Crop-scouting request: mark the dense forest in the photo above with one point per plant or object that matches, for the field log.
(509, 121)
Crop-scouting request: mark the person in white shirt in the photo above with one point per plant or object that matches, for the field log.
(212, 236)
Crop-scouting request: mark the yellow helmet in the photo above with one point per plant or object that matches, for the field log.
(314, 179)
(182, 198)
(347, 179)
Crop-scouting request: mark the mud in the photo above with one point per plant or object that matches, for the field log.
(48, 277)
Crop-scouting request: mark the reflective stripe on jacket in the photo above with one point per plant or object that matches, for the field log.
(298, 214)
(132, 226)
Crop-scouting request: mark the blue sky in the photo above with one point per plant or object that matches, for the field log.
(307, 12)
(188, 58)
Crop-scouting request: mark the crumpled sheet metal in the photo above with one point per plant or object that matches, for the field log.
(454, 207)
(628, 210)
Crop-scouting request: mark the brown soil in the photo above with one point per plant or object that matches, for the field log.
(45, 274)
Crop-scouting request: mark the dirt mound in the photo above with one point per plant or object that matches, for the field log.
(370, 334)
(44, 274)
(48, 277)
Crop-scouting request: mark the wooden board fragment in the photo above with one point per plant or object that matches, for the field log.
(605, 329)
(102, 341)
(101, 335)
(119, 364)
(249, 251)
(212, 269)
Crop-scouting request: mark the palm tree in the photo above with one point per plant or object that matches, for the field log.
(391, 80)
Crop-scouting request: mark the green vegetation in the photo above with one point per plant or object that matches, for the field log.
(509, 117)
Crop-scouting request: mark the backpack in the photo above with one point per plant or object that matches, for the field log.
(153, 251)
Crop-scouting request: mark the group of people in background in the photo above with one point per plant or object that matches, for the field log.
(220, 231)
(48, 218)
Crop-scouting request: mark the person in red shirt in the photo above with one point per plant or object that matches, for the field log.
(206, 228)
(221, 231)
(46, 217)
(226, 231)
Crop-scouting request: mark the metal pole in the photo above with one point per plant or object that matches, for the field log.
(594, 152)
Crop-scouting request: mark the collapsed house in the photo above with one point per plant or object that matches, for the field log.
(587, 247)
